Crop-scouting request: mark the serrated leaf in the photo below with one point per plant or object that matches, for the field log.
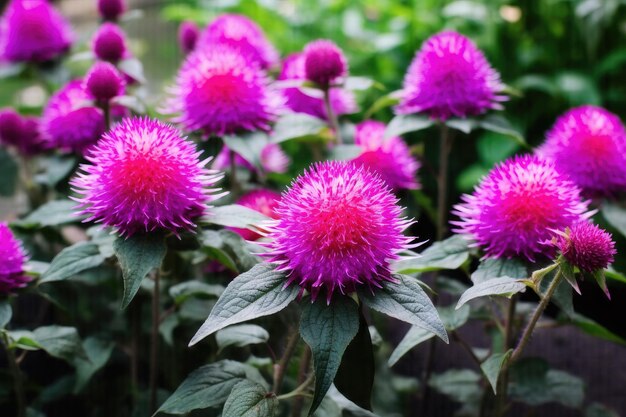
(98, 351)
(256, 293)
(296, 125)
(241, 335)
(235, 215)
(504, 286)
(138, 255)
(9, 170)
(72, 260)
(249, 146)
(61, 342)
(328, 329)
(492, 366)
(53, 213)
(491, 268)
(6, 312)
(249, 399)
(447, 254)
(405, 300)
(615, 215)
(402, 124)
(181, 292)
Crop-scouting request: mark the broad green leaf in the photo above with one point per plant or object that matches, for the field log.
(493, 148)
(296, 125)
(454, 318)
(239, 250)
(504, 286)
(181, 292)
(241, 335)
(382, 103)
(345, 152)
(498, 124)
(595, 329)
(492, 366)
(599, 410)
(9, 171)
(61, 342)
(256, 293)
(138, 255)
(249, 399)
(98, 351)
(6, 312)
(235, 216)
(464, 125)
(402, 124)
(213, 247)
(491, 268)
(73, 260)
(613, 275)
(406, 300)
(53, 213)
(55, 168)
(447, 254)
(358, 83)
(462, 385)
(249, 146)
(615, 215)
(349, 408)
(133, 68)
(23, 339)
(328, 329)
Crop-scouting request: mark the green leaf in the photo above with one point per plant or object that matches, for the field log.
(402, 124)
(23, 339)
(612, 274)
(256, 293)
(72, 260)
(9, 171)
(213, 246)
(53, 213)
(248, 145)
(296, 125)
(249, 399)
(98, 351)
(382, 103)
(595, 329)
(447, 254)
(6, 312)
(599, 410)
(138, 255)
(464, 125)
(61, 342)
(328, 329)
(358, 83)
(183, 291)
(133, 68)
(239, 250)
(406, 300)
(492, 366)
(207, 386)
(241, 335)
(615, 215)
(504, 286)
(491, 268)
(345, 152)
(499, 124)
(235, 216)
(462, 385)
(454, 318)
(55, 168)
(493, 148)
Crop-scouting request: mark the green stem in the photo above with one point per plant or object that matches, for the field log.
(234, 183)
(154, 346)
(106, 109)
(502, 387)
(332, 117)
(17, 377)
(305, 362)
(445, 142)
(281, 366)
(301, 390)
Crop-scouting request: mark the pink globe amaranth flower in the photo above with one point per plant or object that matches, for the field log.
(514, 208)
(241, 33)
(70, 122)
(32, 30)
(219, 91)
(588, 143)
(299, 100)
(273, 159)
(103, 82)
(262, 200)
(390, 158)
(339, 227)
(450, 76)
(188, 34)
(10, 127)
(109, 43)
(111, 9)
(324, 62)
(143, 176)
(21, 132)
(12, 258)
(586, 246)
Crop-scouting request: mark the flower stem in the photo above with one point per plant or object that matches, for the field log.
(17, 377)
(300, 390)
(281, 366)
(502, 387)
(154, 345)
(305, 362)
(332, 117)
(234, 182)
(445, 143)
(106, 109)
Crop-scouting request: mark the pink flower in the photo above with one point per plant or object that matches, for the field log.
(262, 200)
(513, 210)
(12, 258)
(109, 43)
(33, 30)
(324, 62)
(273, 159)
(389, 158)
(188, 33)
(111, 9)
(103, 82)
(450, 76)
(339, 227)
(143, 176)
(586, 246)
(240, 33)
(303, 101)
(21, 132)
(588, 144)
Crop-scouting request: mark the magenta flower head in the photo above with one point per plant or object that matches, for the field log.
(70, 122)
(111, 9)
(450, 76)
(339, 227)
(299, 100)
(219, 91)
(586, 246)
(103, 82)
(20, 132)
(10, 127)
(513, 210)
(390, 158)
(188, 34)
(262, 200)
(143, 176)
(588, 143)
(12, 258)
(32, 30)
(109, 43)
(240, 33)
(324, 62)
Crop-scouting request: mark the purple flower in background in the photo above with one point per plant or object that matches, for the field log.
(311, 101)
(588, 143)
(32, 30)
(109, 43)
(188, 34)
(273, 159)
(21, 132)
(514, 209)
(103, 82)
(262, 200)
(450, 76)
(111, 9)
(339, 227)
(12, 258)
(243, 34)
(324, 62)
(143, 176)
(389, 158)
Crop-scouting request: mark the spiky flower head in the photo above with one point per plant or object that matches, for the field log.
(143, 176)
(188, 33)
(272, 159)
(588, 143)
(103, 82)
(109, 43)
(262, 200)
(339, 227)
(111, 9)
(310, 101)
(12, 258)
(70, 122)
(390, 158)
(33, 30)
(514, 208)
(450, 76)
(586, 246)
(324, 62)
(22, 132)
(219, 91)
(241, 33)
